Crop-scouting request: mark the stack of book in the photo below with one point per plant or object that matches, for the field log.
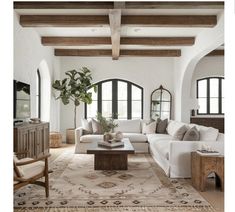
(111, 143)
(208, 152)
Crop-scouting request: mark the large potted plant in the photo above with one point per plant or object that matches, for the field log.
(74, 89)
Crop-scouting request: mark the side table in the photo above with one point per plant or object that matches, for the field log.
(203, 165)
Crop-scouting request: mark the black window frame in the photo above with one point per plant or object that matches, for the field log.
(208, 96)
(115, 97)
(38, 95)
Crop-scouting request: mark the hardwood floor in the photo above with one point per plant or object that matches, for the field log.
(213, 195)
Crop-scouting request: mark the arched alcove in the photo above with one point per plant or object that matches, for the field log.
(45, 90)
(206, 41)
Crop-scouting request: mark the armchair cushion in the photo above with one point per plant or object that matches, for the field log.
(87, 126)
(33, 169)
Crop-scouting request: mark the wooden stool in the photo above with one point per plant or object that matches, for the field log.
(55, 139)
(202, 166)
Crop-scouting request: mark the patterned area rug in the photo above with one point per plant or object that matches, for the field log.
(75, 184)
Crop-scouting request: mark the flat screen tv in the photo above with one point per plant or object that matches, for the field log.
(21, 100)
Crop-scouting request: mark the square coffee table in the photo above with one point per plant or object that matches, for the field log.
(111, 158)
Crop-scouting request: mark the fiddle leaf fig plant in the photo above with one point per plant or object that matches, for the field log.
(74, 88)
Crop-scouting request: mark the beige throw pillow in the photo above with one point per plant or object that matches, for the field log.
(179, 134)
(96, 127)
(87, 126)
(149, 128)
(161, 126)
(192, 135)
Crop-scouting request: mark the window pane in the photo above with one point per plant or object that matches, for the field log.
(214, 105)
(202, 104)
(202, 88)
(222, 110)
(156, 105)
(92, 109)
(107, 90)
(122, 109)
(156, 96)
(165, 106)
(136, 109)
(155, 115)
(214, 87)
(122, 90)
(94, 95)
(136, 93)
(165, 96)
(222, 87)
(165, 115)
(107, 108)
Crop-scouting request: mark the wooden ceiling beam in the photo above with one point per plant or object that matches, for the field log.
(217, 52)
(170, 20)
(107, 52)
(158, 41)
(110, 5)
(88, 41)
(63, 20)
(100, 20)
(75, 41)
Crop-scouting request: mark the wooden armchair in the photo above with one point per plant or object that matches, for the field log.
(29, 170)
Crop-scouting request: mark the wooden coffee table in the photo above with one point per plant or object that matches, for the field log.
(111, 158)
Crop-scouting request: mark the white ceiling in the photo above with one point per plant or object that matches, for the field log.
(126, 31)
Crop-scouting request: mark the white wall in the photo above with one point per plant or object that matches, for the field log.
(149, 73)
(207, 67)
(28, 55)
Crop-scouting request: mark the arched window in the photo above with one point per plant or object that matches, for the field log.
(38, 94)
(121, 98)
(210, 94)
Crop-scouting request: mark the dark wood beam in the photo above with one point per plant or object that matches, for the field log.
(63, 20)
(174, 5)
(102, 52)
(87, 41)
(217, 52)
(170, 20)
(63, 5)
(75, 41)
(110, 5)
(158, 41)
(100, 20)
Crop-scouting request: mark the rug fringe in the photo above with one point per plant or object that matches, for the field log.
(119, 209)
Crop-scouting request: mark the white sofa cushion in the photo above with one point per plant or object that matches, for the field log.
(157, 137)
(220, 137)
(136, 137)
(162, 147)
(173, 127)
(208, 133)
(90, 138)
(128, 126)
(87, 126)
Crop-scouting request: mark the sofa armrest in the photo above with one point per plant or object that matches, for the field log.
(180, 155)
(78, 134)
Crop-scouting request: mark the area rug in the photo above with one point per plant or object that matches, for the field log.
(76, 186)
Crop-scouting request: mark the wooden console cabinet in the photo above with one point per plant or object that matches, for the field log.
(33, 138)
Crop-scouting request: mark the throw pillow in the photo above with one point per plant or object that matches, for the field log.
(192, 135)
(149, 128)
(87, 126)
(96, 127)
(161, 126)
(179, 134)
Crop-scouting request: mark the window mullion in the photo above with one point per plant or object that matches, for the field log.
(208, 96)
(99, 102)
(129, 101)
(114, 99)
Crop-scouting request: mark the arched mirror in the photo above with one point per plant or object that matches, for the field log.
(161, 101)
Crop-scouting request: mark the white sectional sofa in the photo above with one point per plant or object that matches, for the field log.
(174, 157)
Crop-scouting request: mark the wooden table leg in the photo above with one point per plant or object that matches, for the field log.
(111, 162)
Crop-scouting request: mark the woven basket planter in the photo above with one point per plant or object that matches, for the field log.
(55, 139)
